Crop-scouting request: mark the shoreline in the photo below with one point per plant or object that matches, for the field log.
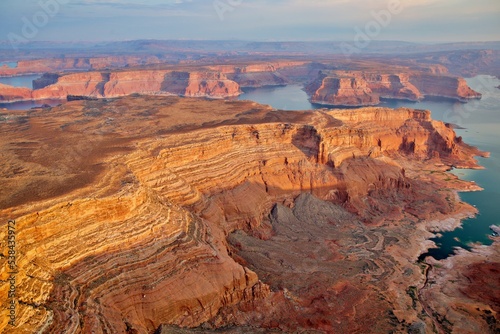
(175, 198)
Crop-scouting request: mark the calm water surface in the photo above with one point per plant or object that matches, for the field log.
(10, 64)
(29, 104)
(290, 97)
(481, 120)
(20, 81)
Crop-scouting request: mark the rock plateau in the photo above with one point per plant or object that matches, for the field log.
(348, 88)
(147, 213)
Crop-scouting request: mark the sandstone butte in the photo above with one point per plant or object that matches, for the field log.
(160, 214)
(362, 87)
(359, 88)
(114, 84)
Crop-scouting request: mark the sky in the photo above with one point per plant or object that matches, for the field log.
(258, 20)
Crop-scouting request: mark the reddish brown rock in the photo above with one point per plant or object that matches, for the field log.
(123, 208)
(354, 88)
(113, 84)
(210, 84)
(343, 91)
(12, 94)
(363, 85)
(87, 84)
(394, 86)
(462, 292)
(444, 86)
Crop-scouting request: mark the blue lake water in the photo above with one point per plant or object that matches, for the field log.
(25, 105)
(290, 97)
(481, 120)
(20, 81)
(10, 64)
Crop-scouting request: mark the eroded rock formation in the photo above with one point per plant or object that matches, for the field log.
(463, 292)
(113, 84)
(124, 208)
(363, 85)
(343, 91)
(10, 93)
(355, 88)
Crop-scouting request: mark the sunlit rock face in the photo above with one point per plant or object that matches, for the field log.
(114, 84)
(357, 88)
(139, 213)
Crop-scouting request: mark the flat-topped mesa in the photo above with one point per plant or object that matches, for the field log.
(395, 86)
(85, 83)
(113, 84)
(75, 63)
(14, 94)
(264, 74)
(327, 86)
(129, 229)
(375, 131)
(444, 86)
(211, 84)
(344, 91)
(355, 88)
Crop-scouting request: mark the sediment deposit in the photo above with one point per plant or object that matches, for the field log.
(462, 291)
(140, 213)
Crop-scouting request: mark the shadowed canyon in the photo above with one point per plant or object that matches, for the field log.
(144, 197)
(147, 214)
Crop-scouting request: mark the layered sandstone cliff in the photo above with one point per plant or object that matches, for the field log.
(123, 210)
(11, 93)
(343, 92)
(395, 86)
(264, 74)
(354, 88)
(87, 83)
(444, 86)
(362, 84)
(114, 84)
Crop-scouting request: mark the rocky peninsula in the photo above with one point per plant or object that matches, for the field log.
(163, 213)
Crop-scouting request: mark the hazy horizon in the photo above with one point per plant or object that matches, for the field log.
(422, 21)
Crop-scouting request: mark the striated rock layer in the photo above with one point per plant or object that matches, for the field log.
(355, 88)
(363, 84)
(140, 213)
(265, 74)
(113, 84)
(344, 91)
(11, 93)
